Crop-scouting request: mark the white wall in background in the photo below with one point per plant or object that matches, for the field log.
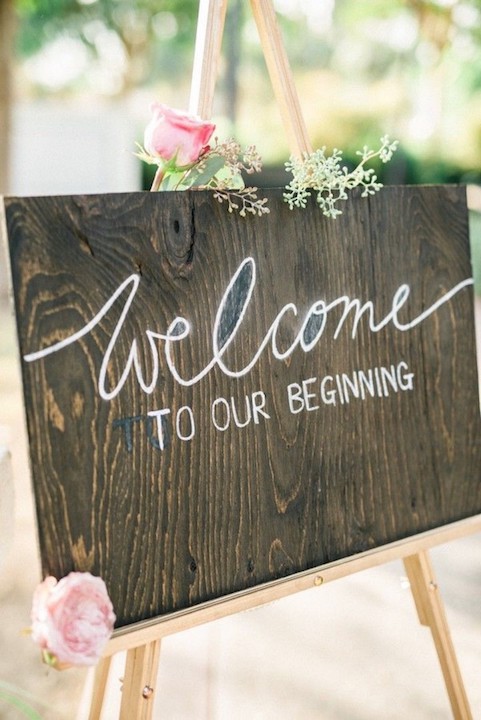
(65, 148)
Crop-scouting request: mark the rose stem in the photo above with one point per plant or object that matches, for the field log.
(159, 176)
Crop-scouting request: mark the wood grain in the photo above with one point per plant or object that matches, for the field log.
(232, 509)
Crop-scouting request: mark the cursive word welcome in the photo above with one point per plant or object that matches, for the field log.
(229, 317)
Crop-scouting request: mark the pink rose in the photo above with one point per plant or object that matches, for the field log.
(72, 619)
(172, 135)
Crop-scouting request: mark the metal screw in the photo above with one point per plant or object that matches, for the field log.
(147, 692)
(318, 580)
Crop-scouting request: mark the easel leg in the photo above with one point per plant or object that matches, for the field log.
(431, 613)
(210, 28)
(140, 675)
(100, 683)
(281, 77)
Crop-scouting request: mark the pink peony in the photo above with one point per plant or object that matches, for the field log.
(172, 135)
(72, 619)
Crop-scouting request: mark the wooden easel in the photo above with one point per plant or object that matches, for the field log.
(143, 644)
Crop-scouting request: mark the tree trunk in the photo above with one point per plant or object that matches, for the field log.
(6, 52)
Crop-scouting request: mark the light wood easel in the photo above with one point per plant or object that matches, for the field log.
(143, 642)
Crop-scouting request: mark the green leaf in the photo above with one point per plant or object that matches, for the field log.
(173, 181)
(213, 164)
(228, 180)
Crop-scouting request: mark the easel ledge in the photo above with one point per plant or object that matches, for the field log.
(147, 631)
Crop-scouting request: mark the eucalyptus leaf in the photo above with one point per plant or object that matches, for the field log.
(173, 181)
(212, 165)
(229, 180)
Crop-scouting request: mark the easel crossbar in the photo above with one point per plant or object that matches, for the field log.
(157, 628)
(142, 641)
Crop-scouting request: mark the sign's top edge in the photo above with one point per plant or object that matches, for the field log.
(275, 190)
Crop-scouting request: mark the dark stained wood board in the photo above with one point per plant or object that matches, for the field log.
(220, 510)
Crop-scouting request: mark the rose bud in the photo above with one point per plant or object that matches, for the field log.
(175, 136)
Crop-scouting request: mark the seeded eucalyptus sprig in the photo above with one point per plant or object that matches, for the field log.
(325, 175)
(219, 169)
(227, 182)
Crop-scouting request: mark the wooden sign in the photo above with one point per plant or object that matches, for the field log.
(214, 402)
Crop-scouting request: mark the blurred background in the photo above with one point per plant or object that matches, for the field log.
(82, 73)
(76, 81)
(77, 78)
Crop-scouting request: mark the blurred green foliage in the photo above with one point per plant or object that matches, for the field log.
(151, 33)
(363, 68)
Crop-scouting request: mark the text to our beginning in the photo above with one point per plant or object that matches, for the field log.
(230, 414)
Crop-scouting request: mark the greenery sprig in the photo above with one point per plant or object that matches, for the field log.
(218, 169)
(325, 175)
(228, 184)
(181, 147)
